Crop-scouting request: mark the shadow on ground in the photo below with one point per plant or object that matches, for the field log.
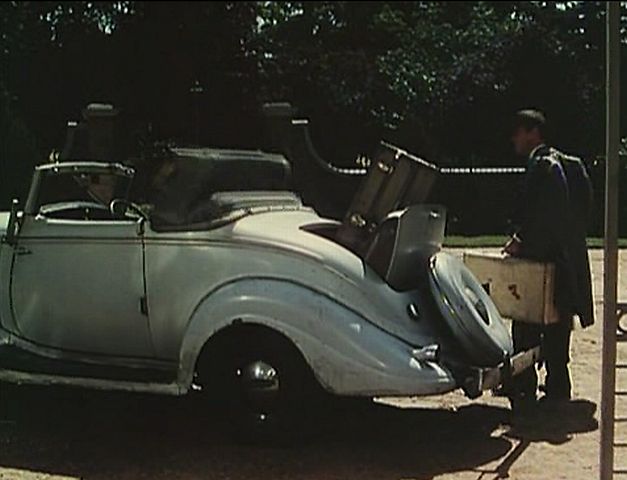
(555, 425)
(103, 435)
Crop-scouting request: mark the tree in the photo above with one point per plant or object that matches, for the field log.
(442, 68)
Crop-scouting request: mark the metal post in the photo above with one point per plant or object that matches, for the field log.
(196, 90)
(608, 376)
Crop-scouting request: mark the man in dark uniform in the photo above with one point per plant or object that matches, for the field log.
(551, 221)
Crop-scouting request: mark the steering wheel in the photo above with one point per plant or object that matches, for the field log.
(121, 208)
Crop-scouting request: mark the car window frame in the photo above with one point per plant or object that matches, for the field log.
(33, 205)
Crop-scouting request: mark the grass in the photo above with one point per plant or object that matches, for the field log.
(485, 241)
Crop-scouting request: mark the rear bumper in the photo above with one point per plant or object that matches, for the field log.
(476, 379)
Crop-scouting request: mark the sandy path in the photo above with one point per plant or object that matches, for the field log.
(50, 433)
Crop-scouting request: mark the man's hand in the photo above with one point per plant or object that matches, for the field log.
(512, 247)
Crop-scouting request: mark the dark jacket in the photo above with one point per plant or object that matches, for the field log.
(551, 224)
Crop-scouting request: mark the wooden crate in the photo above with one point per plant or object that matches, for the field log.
(522, 290)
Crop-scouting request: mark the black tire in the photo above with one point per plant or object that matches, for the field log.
(266, 389)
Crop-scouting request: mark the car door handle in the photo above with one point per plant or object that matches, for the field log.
(23, 251)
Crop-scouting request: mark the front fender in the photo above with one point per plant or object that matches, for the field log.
(347, 354)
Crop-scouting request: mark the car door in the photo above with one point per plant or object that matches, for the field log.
(77, 276)
(79, 285)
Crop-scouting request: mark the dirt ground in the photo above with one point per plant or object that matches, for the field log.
(67, 433)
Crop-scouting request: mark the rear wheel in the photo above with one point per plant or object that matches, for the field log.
(265, 387)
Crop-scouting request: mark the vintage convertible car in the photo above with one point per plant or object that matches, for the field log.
(248, 296)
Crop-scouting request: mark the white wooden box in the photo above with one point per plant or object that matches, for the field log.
(522, 290)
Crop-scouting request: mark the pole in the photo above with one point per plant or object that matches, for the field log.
(610, 260)
(196, 92)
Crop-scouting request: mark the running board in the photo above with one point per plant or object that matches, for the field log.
(27, 378)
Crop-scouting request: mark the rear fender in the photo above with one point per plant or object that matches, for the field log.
(347, 354)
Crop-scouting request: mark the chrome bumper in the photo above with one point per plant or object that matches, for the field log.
(477, 379)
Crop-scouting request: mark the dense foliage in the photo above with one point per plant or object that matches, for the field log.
(439, 78)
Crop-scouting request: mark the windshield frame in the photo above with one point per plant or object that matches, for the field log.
(33, 203)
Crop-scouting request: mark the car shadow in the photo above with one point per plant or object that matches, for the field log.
(86, 434)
